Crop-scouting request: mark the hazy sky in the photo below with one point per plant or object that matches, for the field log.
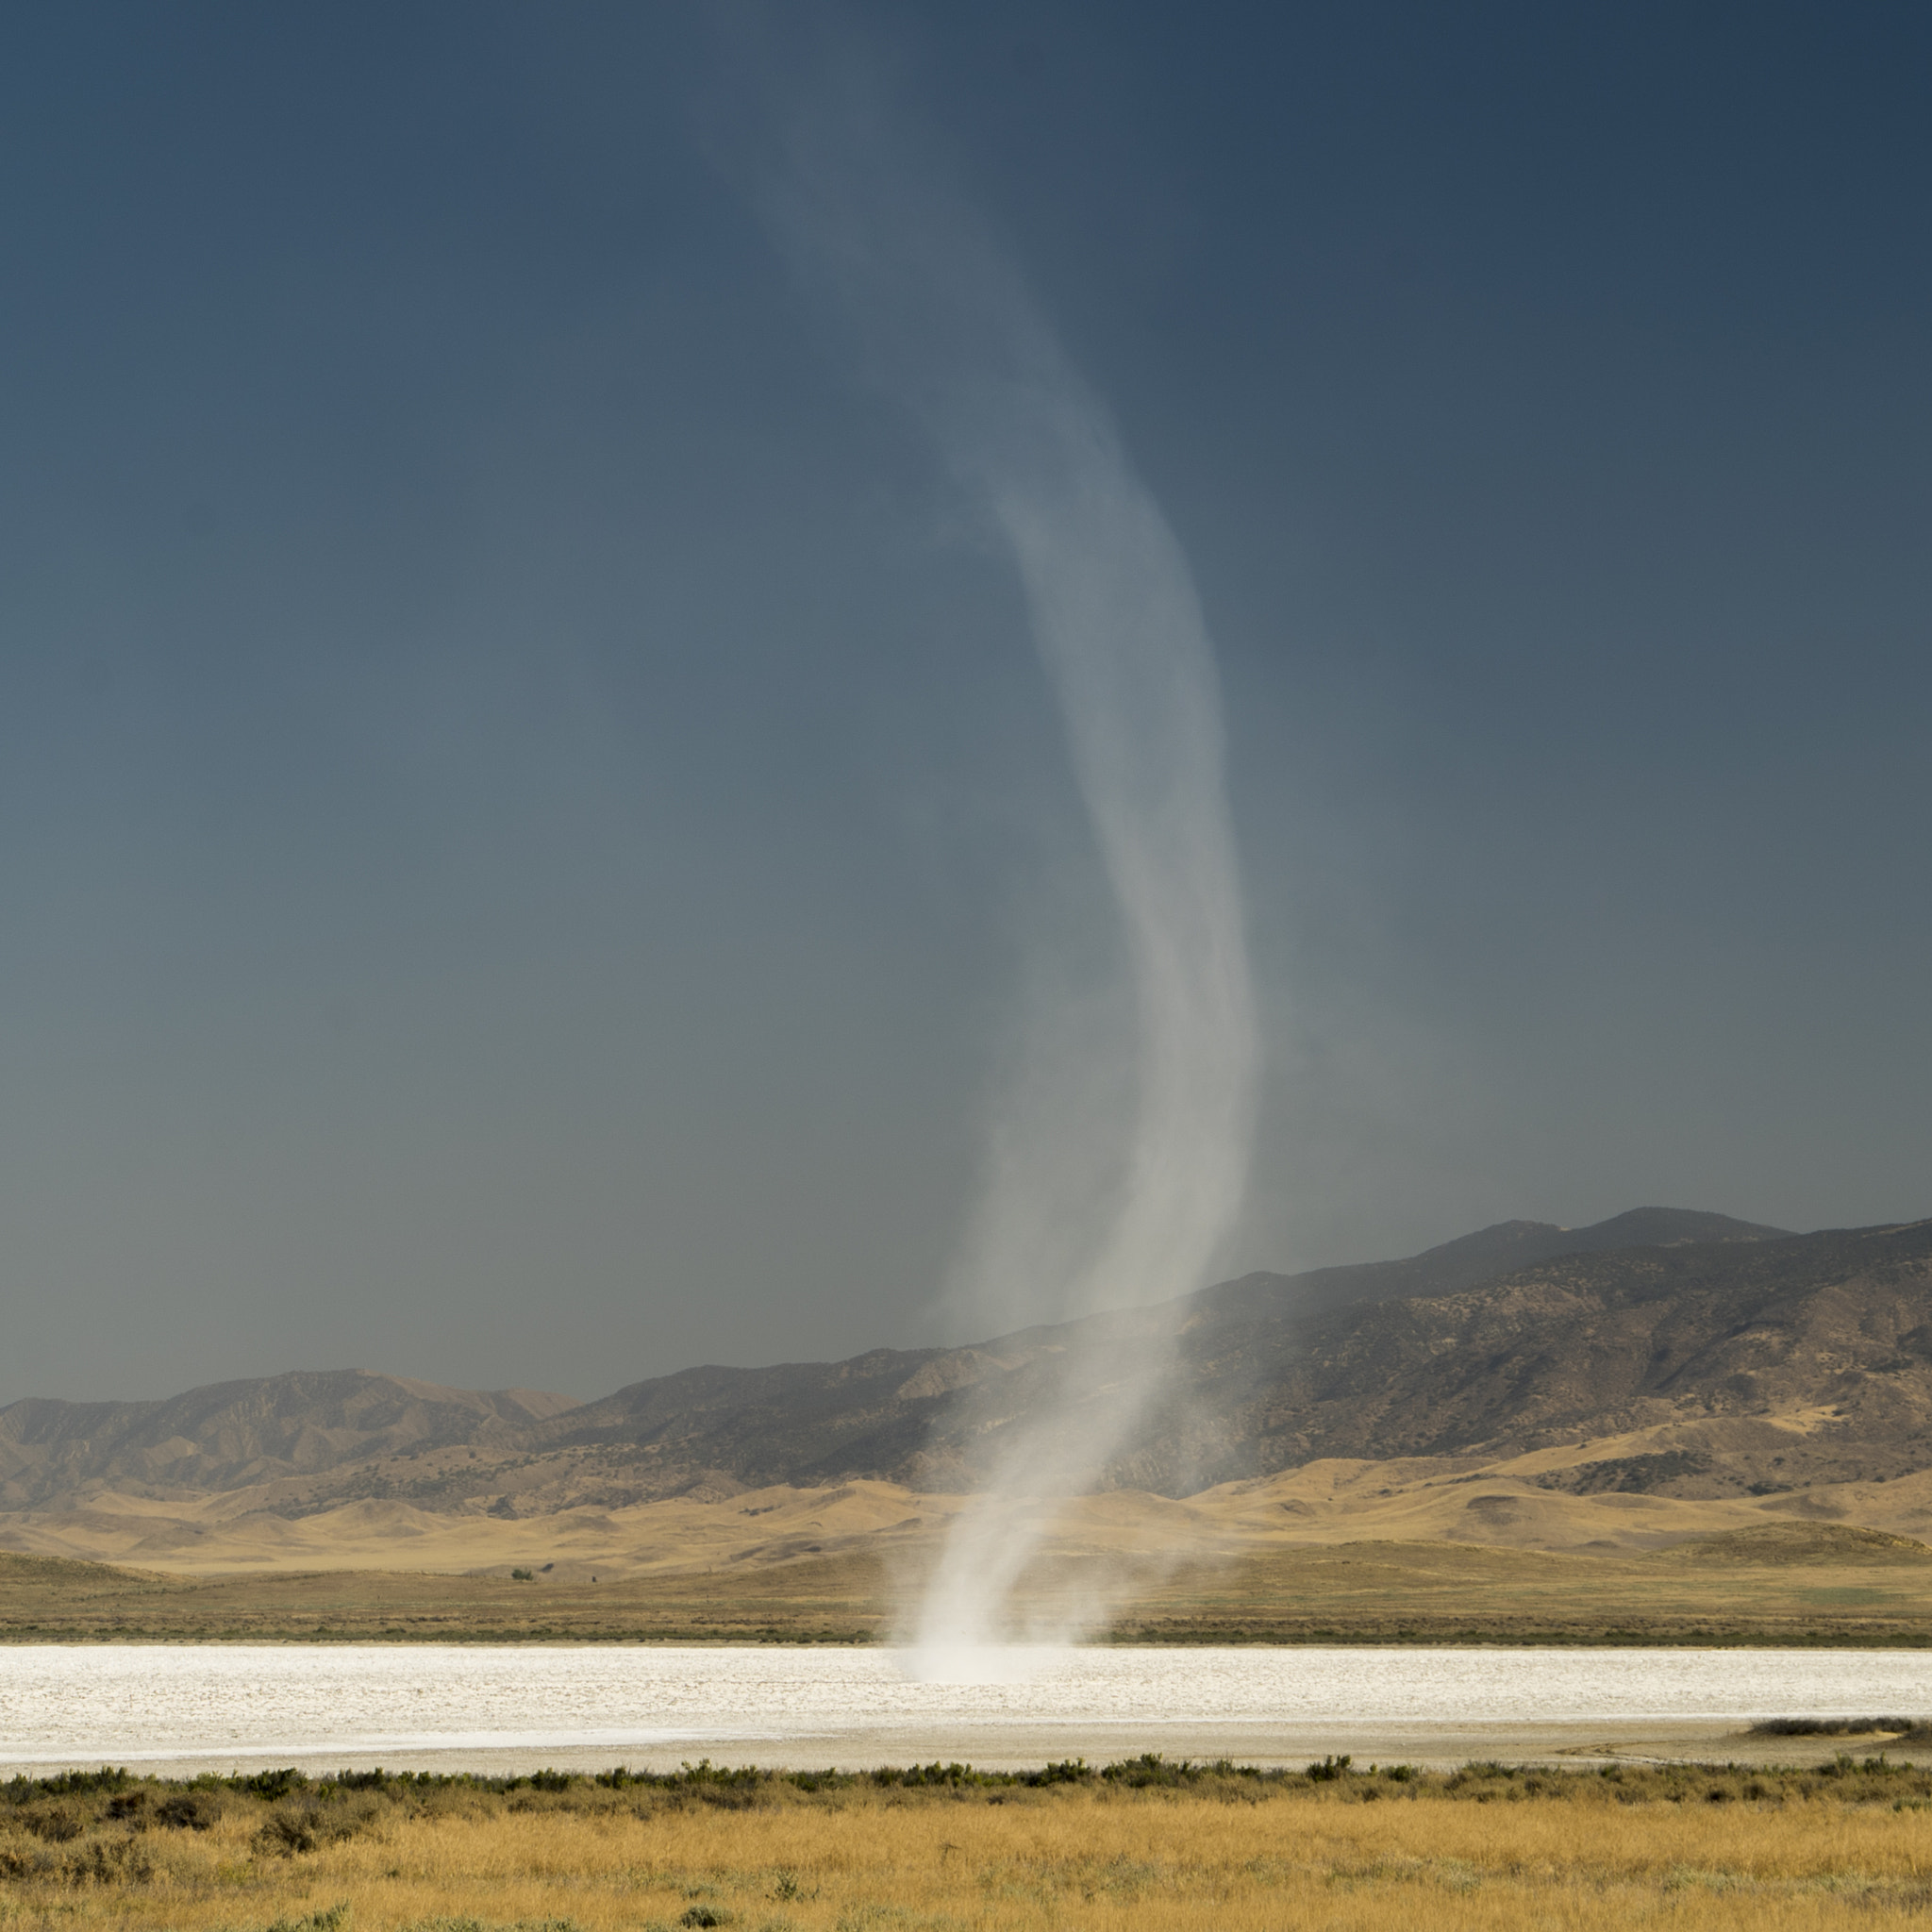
(529, 804)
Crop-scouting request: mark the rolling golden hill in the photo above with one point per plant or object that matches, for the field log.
(1605, 1404)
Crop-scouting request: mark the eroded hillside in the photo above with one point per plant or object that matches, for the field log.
(1713, 1360)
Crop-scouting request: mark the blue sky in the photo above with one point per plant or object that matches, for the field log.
(528, 804)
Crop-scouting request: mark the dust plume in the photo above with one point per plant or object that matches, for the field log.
(944, 323)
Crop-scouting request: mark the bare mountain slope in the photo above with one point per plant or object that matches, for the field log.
(931, 1416)
(1598, 1343)
(1471, 1258)
(232, 1435)
(1519, 1334)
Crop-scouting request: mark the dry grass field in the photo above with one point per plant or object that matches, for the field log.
(1431, 1550)
(1513, 1502)
(1141, 1845)
(1779, 1582)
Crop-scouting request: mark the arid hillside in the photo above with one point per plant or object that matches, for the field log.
(1834, 1326)
(1664, 1354)
(935, 1418)
(310, 1439)
(1712, 1336)
(237, 1435)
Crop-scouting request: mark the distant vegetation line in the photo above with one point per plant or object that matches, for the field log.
(1809, 1588)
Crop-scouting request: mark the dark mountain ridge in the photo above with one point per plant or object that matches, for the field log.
(912, 1413)
(1521, 1334)
(232, 1435)
(1475, 1257)
(1587, 1342)
(1595, 1343)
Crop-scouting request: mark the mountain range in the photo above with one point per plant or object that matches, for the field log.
(1753, 1361)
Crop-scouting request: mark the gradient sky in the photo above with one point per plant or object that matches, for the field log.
(528, 803)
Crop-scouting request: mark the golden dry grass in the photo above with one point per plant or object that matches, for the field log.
(1426, 1592)
(1429, 1549)
(1480, 1850)
(565, 1513)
